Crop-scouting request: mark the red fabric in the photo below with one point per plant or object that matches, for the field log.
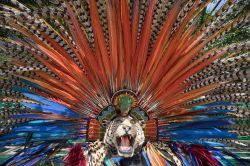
(75, 157)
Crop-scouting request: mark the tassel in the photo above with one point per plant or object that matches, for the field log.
(203, 156)
(75, 157)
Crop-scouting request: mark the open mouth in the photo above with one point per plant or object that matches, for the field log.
(125, 143)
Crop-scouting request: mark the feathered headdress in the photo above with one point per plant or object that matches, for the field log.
(72, 66)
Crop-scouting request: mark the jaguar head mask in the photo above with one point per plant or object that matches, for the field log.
(126, 135)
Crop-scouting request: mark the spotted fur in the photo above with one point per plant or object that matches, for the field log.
(96, 153)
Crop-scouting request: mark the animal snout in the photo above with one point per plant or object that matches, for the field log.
(126, 128)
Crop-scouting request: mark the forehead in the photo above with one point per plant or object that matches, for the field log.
(123, 118)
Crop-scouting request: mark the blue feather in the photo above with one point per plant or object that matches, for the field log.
(184, 160)
(52, 109)
(207, 123)
(117, 160)
(219, 111)
(49, 107)
(222, 158)
(18, 141)
(12, 135)
(166, 162)
(193, 159)
(33, 161)
(25, 154)
(32, 84)
(199, 133)
(212, 105)
(21, 89)
(146, 158)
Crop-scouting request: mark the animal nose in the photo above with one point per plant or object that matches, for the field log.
(126, 128)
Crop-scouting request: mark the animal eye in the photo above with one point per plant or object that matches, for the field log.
(132, 121)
